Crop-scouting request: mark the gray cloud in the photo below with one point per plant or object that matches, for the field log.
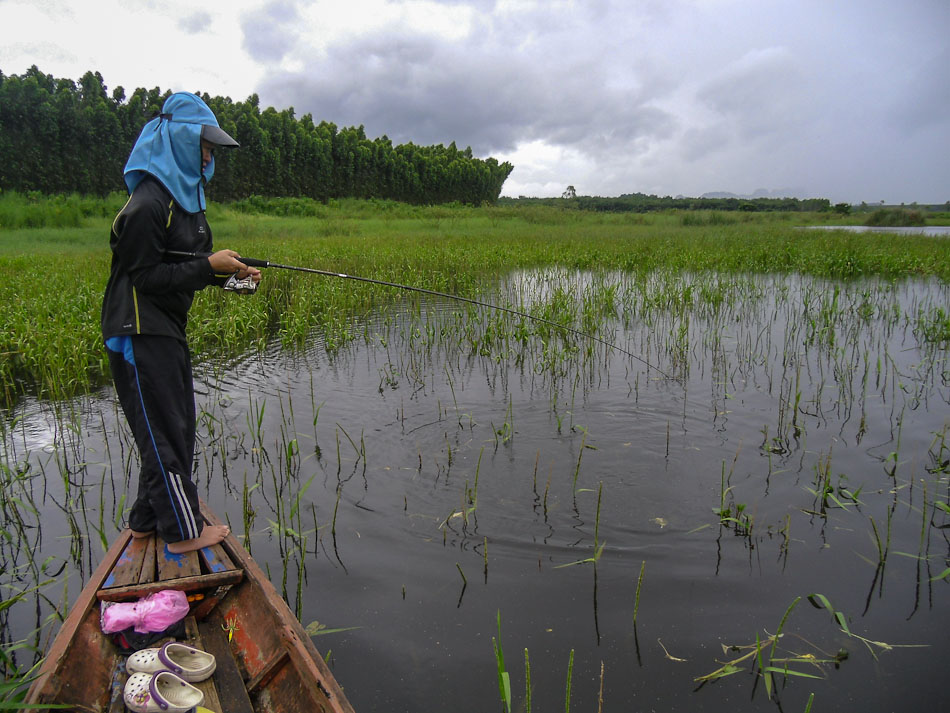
(922, 102)
(195, 23)
(270, 32)
(483, 5)
(672, 97)
(761, 91)
(490, 95)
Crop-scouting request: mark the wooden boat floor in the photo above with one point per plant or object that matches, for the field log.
(223, 691)
(146, 566)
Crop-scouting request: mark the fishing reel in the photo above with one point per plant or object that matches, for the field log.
(243, 286)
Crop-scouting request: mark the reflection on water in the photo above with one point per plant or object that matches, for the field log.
(451, 464)
(934, 230)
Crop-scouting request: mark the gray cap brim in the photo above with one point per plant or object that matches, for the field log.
(218, 136)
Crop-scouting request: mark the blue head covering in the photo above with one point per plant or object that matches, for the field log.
(169, 148)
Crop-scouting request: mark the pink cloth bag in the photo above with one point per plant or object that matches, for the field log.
(156, 612)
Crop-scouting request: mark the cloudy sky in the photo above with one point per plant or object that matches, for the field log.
(841, 99)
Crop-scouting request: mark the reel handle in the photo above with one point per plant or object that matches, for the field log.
(253, 262)
(249, 261)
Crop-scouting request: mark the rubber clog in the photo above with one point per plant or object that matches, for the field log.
(187, 662)
(161, 692)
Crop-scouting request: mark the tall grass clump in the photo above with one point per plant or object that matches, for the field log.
(895, 218)
(260, 205)
(933, 327)
(35, 210)
(49, 326)
(708, 217)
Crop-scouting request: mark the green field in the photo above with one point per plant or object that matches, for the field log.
(54, 276)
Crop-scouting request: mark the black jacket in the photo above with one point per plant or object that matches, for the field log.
(150, 291)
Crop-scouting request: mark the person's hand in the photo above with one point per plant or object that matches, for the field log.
(229, 262)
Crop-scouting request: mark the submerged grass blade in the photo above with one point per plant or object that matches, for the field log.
(636, 601)
(570, 674)
(527, 683)
(766, 671)
(781, 626)
(504, 681)
(820, 600)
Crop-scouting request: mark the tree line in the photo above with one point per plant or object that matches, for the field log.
(643, 203)
(58, 136)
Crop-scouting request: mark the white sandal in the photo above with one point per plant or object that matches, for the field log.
(184, 661)
(162, 692)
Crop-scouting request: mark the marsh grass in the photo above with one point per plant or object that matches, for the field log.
(50, 297)
(504, 677)
(898, 217)
(773, 661)
(35, 210)
(684, 297)
(14, 687)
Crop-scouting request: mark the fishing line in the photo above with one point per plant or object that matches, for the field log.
(254, 262)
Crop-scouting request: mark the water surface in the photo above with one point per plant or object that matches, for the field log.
(433, 476)
(934, 230)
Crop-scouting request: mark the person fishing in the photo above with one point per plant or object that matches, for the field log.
(145, 311)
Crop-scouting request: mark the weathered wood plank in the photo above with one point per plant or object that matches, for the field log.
(227, 677)
(213, 559)
(267, 673)
(149, 571)
(119, 677)
(184, 584)
(129, 565)
(174, 566)
(216, 559)
(203, 606)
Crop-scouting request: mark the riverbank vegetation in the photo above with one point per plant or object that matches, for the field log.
(54, 275)
(895, 217)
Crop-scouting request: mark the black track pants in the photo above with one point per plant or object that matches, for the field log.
(153, 380)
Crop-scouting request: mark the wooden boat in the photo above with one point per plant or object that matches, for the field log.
(266, 662)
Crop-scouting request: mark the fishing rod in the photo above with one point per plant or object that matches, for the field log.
(254, 262)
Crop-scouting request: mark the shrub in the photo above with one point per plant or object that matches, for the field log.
(895, 218)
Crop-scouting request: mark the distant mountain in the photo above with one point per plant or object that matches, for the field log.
(721, 194)
(758, 193)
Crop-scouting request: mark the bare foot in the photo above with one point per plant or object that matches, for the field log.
(210, 535)
(139, 535)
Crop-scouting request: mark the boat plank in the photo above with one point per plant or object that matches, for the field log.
(129, 567)
(213, 559)
(119, 677)
(284, 686)
(185, 584)
(149, 570)
(175, 566)
(268, 672)
(227, 678)
(216, 559)
(210, 600)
